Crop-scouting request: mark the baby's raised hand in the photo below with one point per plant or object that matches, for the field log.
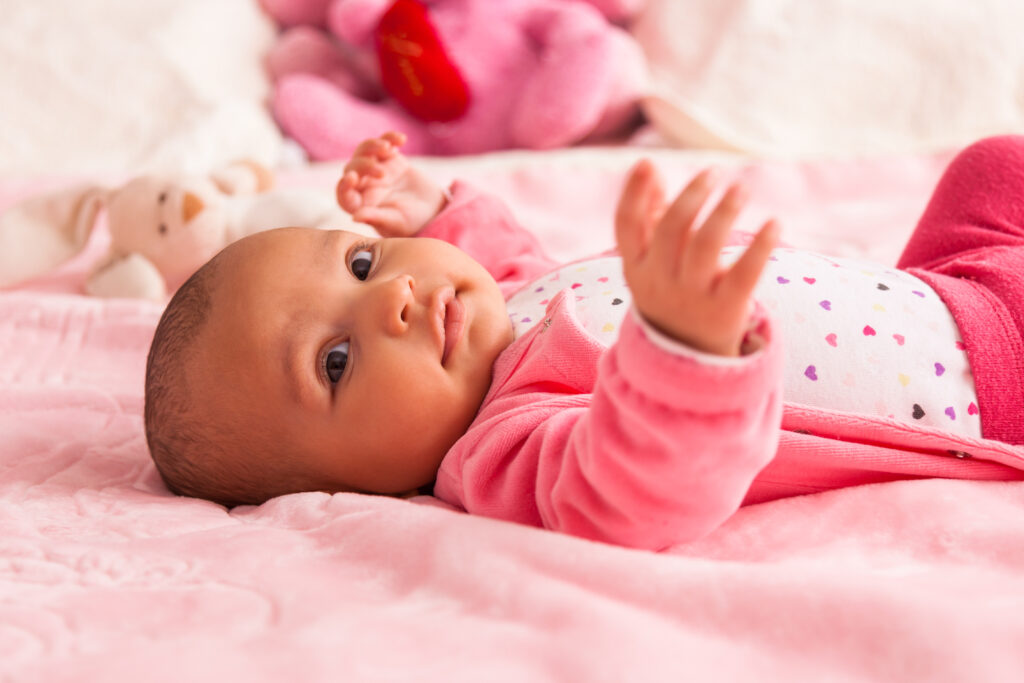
(671, 263)
(381, 188)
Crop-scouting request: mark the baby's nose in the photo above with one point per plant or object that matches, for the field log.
(399, 299)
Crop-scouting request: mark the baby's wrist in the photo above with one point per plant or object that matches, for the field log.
(437, 201)
(756, 334)
(443, 200)
(674, 346)
(755, 337)
(691, 339)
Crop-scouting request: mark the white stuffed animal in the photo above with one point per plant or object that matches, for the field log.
(162, 228)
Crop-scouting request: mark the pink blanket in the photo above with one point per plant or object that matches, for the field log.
(106, 576)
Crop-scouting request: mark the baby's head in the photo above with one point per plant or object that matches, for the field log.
(309, 360)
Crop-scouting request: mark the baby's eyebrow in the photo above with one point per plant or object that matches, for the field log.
(295, 366)
(327, 248)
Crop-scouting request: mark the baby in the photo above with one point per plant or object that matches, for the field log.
(638, 398)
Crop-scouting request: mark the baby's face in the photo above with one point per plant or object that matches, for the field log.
(364, 358)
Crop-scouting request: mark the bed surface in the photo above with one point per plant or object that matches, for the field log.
(105, 576)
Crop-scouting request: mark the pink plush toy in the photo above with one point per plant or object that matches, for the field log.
(457, 76)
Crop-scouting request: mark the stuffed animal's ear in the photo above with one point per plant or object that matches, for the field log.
(131, 276)
(243, 177)
(42, 232)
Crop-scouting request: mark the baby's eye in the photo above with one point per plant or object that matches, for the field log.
(360, 262)
(335, 361)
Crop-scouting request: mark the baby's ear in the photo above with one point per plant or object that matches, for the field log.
(42, 232)
(130, 276)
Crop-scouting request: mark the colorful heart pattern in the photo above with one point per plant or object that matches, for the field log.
(886, 301)
(843, 368)
(597, 288)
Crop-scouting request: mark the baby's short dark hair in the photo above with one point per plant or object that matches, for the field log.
(197, 454)
(174, 437)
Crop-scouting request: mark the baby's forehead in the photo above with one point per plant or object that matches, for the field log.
(273, 238)
(261, 248)
(281, 264)
(287, 239)
(274, 269)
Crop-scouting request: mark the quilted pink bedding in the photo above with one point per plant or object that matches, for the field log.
(106, 576)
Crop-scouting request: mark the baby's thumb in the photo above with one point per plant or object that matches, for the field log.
(632, 212)
(389, 223)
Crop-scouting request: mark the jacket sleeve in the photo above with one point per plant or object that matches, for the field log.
(664, 452)
(483, 227)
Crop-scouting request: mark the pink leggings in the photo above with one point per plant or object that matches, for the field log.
(969, 246)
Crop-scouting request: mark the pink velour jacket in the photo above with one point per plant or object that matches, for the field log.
(637, 446)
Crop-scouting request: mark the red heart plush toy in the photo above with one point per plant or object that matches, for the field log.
(414, 67)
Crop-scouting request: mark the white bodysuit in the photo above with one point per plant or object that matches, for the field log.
(858, 337)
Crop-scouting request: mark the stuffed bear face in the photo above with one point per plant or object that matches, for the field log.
(177, 224)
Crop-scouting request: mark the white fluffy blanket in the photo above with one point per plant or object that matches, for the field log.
(799, 78)
(124, 86)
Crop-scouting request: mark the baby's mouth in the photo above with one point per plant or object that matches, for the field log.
(454, 321)
(450, 319)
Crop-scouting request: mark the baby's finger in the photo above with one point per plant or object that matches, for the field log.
(388, 144)
(345, 192)
(701, 259)
(655, 206)
(741, 279)
(673, 230)
(370, 147)
(395, 138)
(631, 214)
(351, 201)
(345, 182)
(366, 166)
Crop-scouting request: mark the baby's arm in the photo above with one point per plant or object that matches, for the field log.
(381, 188)
(665, 448)
(662, 451)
